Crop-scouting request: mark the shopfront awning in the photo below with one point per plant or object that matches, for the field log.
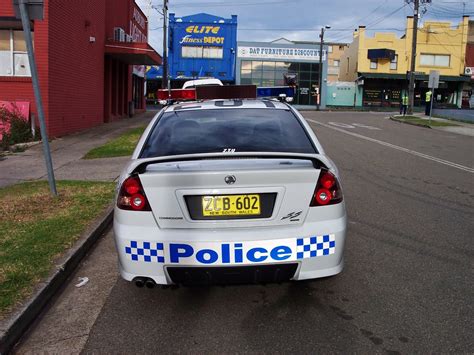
(8, 22)
(418, 77)
(133, 53)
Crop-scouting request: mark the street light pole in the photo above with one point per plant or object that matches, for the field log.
(164, 81)
(320, 84)
(25, 20)
(411, 84)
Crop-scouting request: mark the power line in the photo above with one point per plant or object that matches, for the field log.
(379, 20)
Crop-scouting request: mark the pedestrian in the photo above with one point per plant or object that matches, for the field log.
(428, 102)
(404, 104)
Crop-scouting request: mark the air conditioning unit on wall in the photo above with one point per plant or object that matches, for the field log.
(469, 71)
(119, 34)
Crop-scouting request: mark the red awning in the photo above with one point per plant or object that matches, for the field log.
(133, 53)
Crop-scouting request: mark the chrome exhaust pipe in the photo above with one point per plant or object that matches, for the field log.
(139, 282)
(149, 283)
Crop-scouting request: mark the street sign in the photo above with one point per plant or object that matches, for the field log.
(433, 82)
(35, 9)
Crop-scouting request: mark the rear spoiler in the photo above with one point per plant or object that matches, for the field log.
(141, 165)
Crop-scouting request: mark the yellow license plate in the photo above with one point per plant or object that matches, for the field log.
(231, 205)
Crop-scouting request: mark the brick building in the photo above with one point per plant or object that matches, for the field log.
(90, 56)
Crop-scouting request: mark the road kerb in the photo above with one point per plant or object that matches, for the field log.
(410, 123)
(18, 324)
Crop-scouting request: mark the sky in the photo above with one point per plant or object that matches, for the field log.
(267, 20)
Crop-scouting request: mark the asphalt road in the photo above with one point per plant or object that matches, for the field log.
(407, 287)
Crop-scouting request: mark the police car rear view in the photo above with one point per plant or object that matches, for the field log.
(228, 191)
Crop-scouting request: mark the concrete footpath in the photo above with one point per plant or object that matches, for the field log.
(466, 129)
(67, 153)
(455, 114)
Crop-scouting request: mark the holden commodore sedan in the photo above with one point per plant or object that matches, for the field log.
(229, 191)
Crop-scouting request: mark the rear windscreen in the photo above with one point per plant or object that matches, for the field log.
(224, 130)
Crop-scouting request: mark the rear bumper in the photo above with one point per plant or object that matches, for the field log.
(315, 249)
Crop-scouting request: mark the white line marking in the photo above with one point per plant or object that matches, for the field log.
(409, 151)
(367, 126)
(342, 125)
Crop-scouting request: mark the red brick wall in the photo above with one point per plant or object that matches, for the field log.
(76, 66)
(6, 8)
(117, 16)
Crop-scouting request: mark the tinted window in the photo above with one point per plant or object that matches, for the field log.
(212, 131)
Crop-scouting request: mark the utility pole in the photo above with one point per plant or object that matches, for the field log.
(164, 81)
(320, 85)
(411, 84)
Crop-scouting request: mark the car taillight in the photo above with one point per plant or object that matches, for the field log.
(132, 196)
(328, 191)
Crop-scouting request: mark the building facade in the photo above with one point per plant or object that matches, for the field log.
(380, 64)
(467, 95)
(268, 63)
(200, 46)
(89, 56)
(334, 52)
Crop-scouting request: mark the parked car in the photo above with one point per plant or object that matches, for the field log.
(202, 82)
(225, 191)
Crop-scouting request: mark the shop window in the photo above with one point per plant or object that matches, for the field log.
(268, 75)
(246, 73)
(268, 65)
(306, 75)
(257, 81)
(246, 81)
(256, 65)
(294, 67)
(191, 52)
(268, 83)
(435, 60)
(213, 52)
(257, 74)
(202, 52)
(13, 54)
(373, 64)
(282, 66)
(394, 63)
(307, 67)
(246, 65)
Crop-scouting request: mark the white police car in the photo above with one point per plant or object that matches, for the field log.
(228, 191)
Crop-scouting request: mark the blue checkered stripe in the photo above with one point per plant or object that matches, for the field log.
(312, 247)
(146, 251)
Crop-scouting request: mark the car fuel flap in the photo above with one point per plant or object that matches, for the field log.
(229, 193)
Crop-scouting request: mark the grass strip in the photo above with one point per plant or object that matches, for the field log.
(37, 228)
(423, 122)
(118, 147)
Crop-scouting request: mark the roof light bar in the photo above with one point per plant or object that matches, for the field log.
(276, 91)
(226, 92)
(177, 94)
